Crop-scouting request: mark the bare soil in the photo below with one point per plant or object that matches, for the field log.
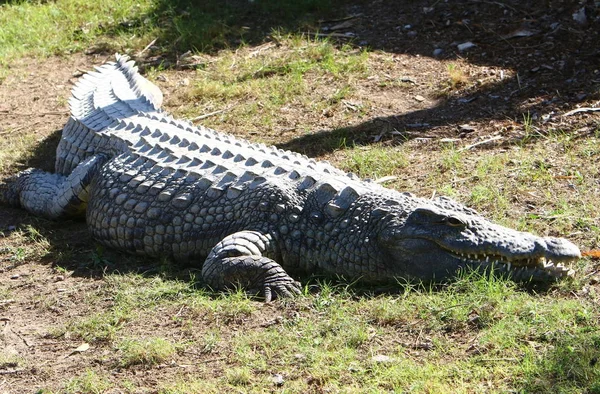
(528, 57)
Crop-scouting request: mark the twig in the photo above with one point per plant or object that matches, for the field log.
(261, 48)
(7, 113)
(340, 19)
(21, 337)
(450, 307)
(208, 115)
(498, 359)
(584, 109)
(386, 179)
(12, 371)
(495, 138)
(179, 312)
(147, 47)
(340, 35)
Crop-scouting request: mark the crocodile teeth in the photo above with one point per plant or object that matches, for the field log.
(509, 266)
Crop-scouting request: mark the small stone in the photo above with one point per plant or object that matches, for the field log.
(381, 358)
(419, 98)
(16, 276)
(438, 52)
(465, 45)
(580, 17)
(278, 380)
(467, 128)
(412, 34)
(59, 278)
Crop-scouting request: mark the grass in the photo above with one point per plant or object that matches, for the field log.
(149, 351)
(43, 29)
(478, 334)
(375, 162)
(257, 87)
(456, 79)
(88, 382)
(59, 28)
(20, 147)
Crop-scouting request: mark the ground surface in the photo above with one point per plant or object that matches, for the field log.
(446, 113)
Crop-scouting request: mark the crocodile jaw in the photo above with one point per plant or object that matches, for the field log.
(434, 243)
(539, 268)
(427, 260)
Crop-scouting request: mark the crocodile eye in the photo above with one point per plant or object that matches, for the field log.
(452, 221)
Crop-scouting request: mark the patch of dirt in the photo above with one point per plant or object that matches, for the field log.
(528, 57)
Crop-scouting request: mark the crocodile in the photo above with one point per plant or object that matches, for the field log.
(253, 215)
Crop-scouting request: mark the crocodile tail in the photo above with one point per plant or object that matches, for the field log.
(9, 192)
(112, 93)
(138, 83)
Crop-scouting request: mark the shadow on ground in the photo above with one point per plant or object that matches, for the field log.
(551, 47)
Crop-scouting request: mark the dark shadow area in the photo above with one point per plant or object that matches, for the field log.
(208, 26)
(43, 155)
(551, 49)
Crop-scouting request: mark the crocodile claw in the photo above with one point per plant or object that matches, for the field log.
(281, 289)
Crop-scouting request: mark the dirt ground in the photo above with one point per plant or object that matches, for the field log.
(534, 57)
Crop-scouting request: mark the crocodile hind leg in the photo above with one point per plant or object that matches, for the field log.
(238, 260)
(52, 195)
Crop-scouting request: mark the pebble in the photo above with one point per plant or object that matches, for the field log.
(438, 52)
(465, 45)
(278, 379)
(381, 358)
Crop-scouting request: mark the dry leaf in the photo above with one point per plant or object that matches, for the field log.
(594, 254)
(82, 348)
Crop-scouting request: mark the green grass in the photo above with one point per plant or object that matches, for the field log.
(46, 28)
(256, 88)
(149, 351)
(476, 330)
(375, 161)
(20, 147)
(88, 382)
(62, 27)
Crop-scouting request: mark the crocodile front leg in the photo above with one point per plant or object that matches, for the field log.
(52, 195)
(238, 260)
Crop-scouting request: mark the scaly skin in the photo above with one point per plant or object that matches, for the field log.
(253, 214)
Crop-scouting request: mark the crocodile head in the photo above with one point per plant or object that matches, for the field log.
(433, 242)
